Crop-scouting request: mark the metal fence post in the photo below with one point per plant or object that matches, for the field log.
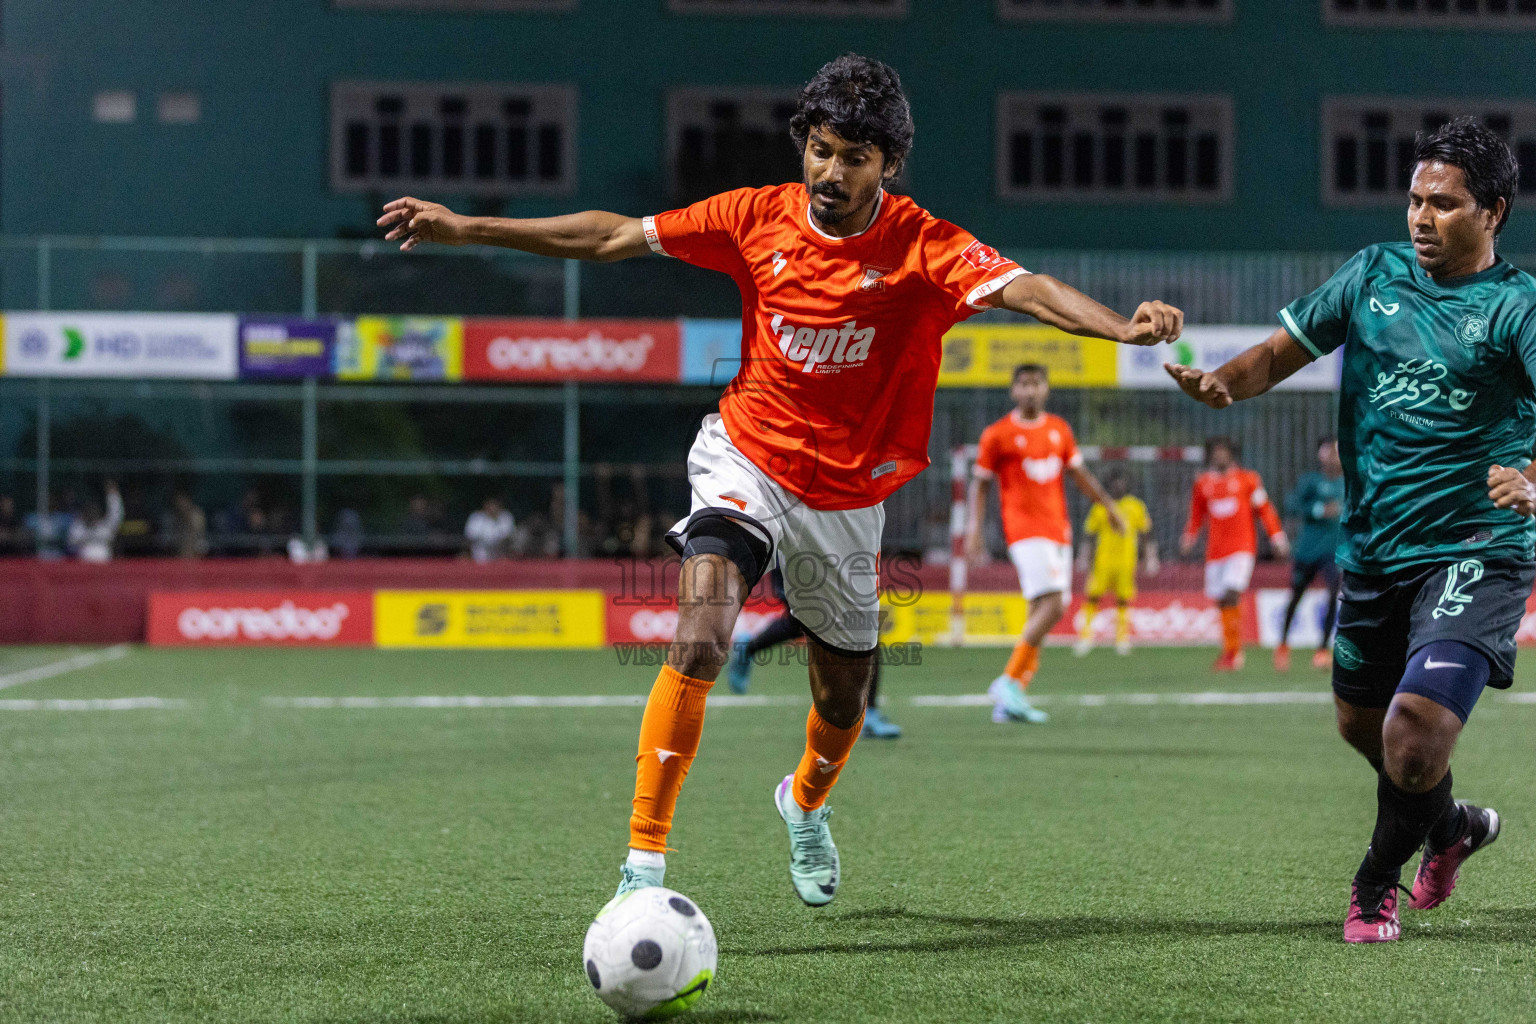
(309, 293)
(44, 445)
(572, 289)
(572, 467)
(311, 459)
(44, 274)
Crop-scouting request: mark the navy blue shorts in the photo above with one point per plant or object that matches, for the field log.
(1303, 573)
(1384, 619)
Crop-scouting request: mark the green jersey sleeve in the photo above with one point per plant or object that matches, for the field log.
(1320, 321)
(1525, 344)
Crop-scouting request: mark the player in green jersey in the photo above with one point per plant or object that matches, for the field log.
(1437, 418)
(1316, 501)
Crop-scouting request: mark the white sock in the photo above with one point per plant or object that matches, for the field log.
(647, 859)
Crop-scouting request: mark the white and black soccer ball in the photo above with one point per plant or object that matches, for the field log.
(650, 953)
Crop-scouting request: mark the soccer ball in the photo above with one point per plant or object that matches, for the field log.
(650, 953)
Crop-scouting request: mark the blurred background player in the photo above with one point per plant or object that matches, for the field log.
(1315, 502)
(1026, 452)
(1227, 496)
(786, 629)
(1114, 560)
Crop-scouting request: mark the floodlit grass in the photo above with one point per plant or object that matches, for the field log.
(231, 860)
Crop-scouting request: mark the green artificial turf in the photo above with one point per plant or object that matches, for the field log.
(232, 860)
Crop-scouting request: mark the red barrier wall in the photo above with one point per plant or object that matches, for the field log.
(73, 602)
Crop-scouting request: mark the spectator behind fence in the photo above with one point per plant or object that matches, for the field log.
(49, 532)
(189, 527)
(91, 535)
(13, 535)
(347, 537)
(489, 531)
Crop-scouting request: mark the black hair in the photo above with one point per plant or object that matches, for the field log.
(860, 99)
(1118, 475)
(1491, 170)
(1326, 439)
(1024, 368)
(1222, 441)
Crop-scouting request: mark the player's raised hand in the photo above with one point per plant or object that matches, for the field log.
(1205, 388)
(1509, 488)
(1116, 520)
(415, 221)
(1153, 322)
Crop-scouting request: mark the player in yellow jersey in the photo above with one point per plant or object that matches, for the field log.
(1114, 561)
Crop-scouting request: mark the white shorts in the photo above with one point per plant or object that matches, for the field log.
(1228, 575)
(1045, 567)
(830, 560)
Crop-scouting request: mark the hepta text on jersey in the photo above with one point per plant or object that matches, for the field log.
(830, 348)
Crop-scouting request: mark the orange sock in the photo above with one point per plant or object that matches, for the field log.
(826, 751)
(1023, 662)
(1232, 629)
(669, 739)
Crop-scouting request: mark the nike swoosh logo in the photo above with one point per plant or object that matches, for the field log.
(662, 755)
(1432, 663)
(738, 502)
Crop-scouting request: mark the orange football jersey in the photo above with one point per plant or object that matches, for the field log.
(840, 337)
(1028, 458)
(1229, 502)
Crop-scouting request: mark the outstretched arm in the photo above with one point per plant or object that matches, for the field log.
(592, 235)
(1246, 375)
(1062, 306)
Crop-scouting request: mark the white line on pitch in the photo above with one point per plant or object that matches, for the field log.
(59, 668)
(96, 704)
(1097, 700)
(629, 700)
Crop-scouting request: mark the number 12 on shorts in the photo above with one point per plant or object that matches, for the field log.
(1458, 577)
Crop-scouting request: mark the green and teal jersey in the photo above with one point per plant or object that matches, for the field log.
(1309, 503)
(1436, 388)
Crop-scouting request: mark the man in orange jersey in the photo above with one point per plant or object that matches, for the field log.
(847, 290)
(1228, 497)
(1027, 452)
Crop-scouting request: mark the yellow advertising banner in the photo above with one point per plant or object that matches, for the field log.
(989, 618)
(413, 348)
(984, 355)
(489, 618)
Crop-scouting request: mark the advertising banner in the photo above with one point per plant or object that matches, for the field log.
(185, 345)
(489, 618)
(558, 350)
(1169, 617)
(656, 622)
(984, 355)
(401, 348)
(286, 348)
(261, 617)
(711, 351)
(1209, 347)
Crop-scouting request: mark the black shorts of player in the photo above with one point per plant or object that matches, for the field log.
(1303, 573)
(1384, 619)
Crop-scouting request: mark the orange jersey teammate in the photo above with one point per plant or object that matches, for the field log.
(1030, 452)
(846, 293)
(1227, 497)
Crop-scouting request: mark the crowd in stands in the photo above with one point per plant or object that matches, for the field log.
(100, 524)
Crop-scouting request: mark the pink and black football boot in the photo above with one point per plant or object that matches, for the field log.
(1372, 913)
(1439, 869)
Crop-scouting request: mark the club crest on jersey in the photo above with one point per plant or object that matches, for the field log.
(873, 279)
(1472, 329)
(825, 349)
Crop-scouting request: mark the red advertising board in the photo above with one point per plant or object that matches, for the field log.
(544, 350)
(656, 622)
(303, 618)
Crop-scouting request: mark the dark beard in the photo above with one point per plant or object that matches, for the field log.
(829, 218)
